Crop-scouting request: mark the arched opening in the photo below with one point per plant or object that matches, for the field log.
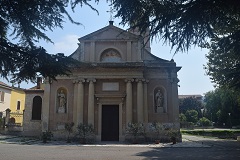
(37, 108)
(110, 55)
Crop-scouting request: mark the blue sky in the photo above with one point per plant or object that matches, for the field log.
(193, 79)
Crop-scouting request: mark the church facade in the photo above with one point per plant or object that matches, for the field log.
(119, 81)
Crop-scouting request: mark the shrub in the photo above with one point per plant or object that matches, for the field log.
(46, 136)
(135, 129)
(85, 131)
(204, 122)
(192, 116)
(69, 129)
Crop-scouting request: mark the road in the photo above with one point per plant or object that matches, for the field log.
(217, 149)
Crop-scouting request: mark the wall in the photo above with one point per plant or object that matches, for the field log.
(17, 95)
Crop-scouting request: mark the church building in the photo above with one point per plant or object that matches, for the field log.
(119, 81)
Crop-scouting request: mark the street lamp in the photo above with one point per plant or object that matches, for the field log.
(202, 110)
(230, 123)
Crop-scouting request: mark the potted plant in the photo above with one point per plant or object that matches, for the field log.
(136, 130)
(84, 132)
(69, 129)
(46, 136)
(157, 128)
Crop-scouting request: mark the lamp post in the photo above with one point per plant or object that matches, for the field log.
(230, 123)
(202, 110)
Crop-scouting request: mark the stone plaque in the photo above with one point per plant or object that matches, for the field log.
(110, 86)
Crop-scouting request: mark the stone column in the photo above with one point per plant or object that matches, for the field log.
(129, 100)
(46, 105)
(80, 101)
(75, 82)
(91, 101)
(145, 110)
(139, 100)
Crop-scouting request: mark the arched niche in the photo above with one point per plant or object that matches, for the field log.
(160, 100)
(37, 108)
(110, 55)
(61, 100)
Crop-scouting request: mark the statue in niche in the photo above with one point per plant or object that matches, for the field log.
(62, 102)
(159, 99)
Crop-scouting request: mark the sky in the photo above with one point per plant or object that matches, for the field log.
(193, 79)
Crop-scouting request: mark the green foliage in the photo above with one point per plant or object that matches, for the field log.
(23, 24)
(157, 128)
(204, 122)
(223, 65)
(85, 130)
(220, 102)
(69, 129)
(46, 136)
(189, 103)
(182, 117)
(135, 129)
(192, 116)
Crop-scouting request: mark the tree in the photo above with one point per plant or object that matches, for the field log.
(26, 21)
(186, 23)
(220, 102)
(192, 116)
(223, 66)
(190, 103)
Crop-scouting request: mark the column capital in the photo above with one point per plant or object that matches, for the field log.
(81, 80)
(140, 80)
(129, 80)
(78, 80)
(146, 81)
(91, 80)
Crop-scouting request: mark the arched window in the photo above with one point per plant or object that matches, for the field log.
(111, 55)
(37, 108)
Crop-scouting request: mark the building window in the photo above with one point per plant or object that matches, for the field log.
(37, 108)
(18, 105)
(1, 96)
(111, 55)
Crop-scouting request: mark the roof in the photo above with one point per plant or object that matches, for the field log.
(119, 34)
(4, 85)
(188, 96)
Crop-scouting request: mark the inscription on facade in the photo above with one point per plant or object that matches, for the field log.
(110, 86)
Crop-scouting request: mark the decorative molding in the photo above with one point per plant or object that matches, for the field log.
(129, 80)
(91, 80)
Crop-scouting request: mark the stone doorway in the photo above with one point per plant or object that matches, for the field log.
(110, 123)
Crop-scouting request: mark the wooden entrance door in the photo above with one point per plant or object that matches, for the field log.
(110, 123)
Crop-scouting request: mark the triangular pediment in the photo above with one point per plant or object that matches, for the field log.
(110, 33)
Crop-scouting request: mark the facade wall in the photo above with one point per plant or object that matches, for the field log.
(31, 127)
(7, 99)
(81, 97)
(17, 96)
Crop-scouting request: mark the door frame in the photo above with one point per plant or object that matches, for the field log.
(99, 135)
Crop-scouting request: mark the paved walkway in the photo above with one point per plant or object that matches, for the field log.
(188, 141)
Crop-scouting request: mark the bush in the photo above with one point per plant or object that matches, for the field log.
(85, 131)
(69, 129)
(192, 116)
(46, 136)
(204, 122)
(135, 129)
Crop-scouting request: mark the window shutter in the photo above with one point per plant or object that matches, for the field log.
(2, 95)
